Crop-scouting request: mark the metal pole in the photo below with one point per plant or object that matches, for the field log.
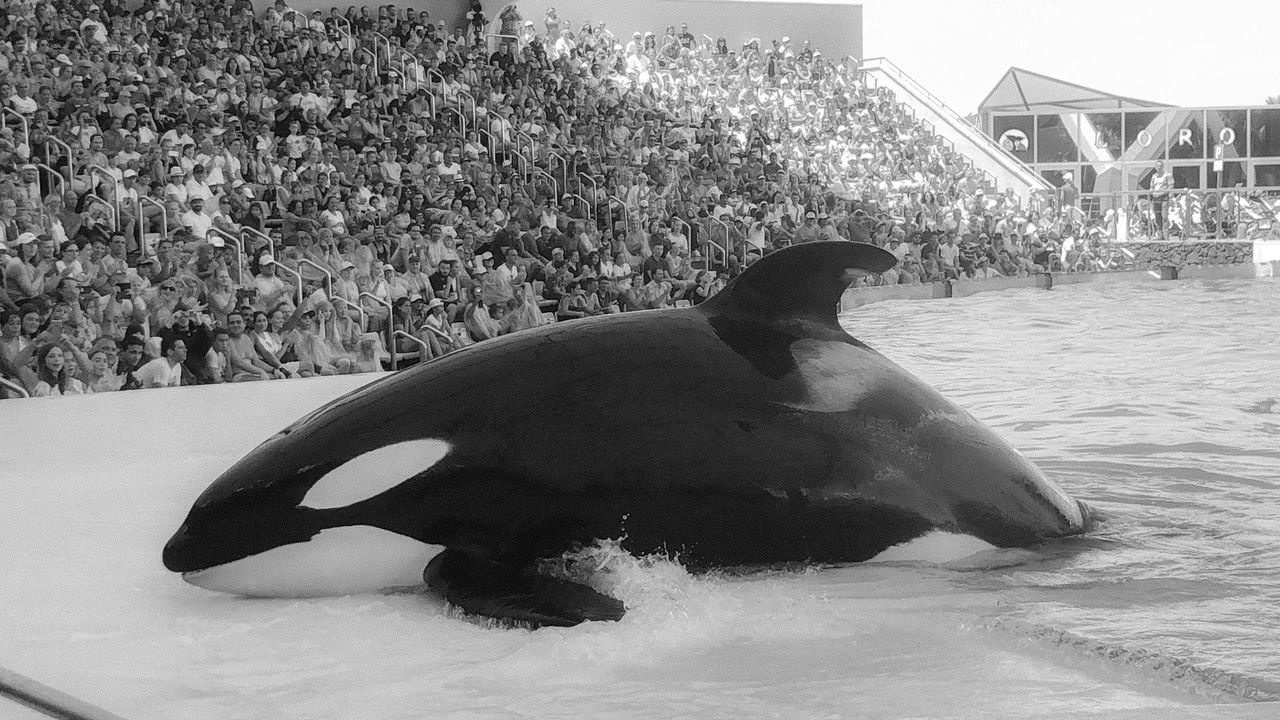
(373, 55)
(239, 250)
(26, 127)
(270, 243)
(115, 219)
(71, 167)
(391, 341)
(328, 276)
(297, 276)
(626, 212)
(164, 219)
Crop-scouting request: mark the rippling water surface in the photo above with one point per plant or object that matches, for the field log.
(1158, 404)
(1155, 403)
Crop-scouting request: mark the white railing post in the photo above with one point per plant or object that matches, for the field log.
(164, 221)
(271, 244)
(595, 189)
(105, 173)
(115, 219)
(391, 311)
(328, 276)
(626, 213)
(71, 166)
(373, 54)
(296, 276)
(590, 210)
(239, 246)
(554, 185)
(5, 382)
(564, 167)
(26, 126)
(62, 182)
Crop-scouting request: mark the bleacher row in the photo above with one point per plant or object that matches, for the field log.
(287, 194)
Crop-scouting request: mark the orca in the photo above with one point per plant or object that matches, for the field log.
(749, 430)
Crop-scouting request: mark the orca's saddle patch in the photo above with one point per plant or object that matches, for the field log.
(479, 585)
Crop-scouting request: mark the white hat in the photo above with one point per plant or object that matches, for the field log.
(266, 260)
(348, 265)
(435, 303)
(216, 240)
(24, 238)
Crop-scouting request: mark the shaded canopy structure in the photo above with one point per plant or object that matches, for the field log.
(1021, 90)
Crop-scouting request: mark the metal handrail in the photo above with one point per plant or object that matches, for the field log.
(595, 188)
(351, 40)
(271, 243)
(555, 185)
(348, 39)
(464, 94)
(684, 223)
(626, 212)
(524, 163)
(489, 142)
(391, 311)
(520, 134)
(432, 97)
(306, 23)
(708, 244)
(564, 165)
(297, 276)
(462, 118)
(328, 276)
(115, 218)
(364, 316)
(26, 126)
(115, 184)
(62, 182)
(590, 211)
(71, 166)
(164, 221)
(404, 69)
(728, 246)
(6, 382)
(373, 55)
(239, 249)
(432, 72)
(415, 338)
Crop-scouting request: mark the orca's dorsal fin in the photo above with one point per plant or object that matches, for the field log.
(801, 282)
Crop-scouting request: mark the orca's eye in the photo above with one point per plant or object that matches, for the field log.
(374, 472)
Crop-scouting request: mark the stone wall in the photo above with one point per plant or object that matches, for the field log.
(1151, 255)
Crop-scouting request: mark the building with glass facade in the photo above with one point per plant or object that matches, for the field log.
(1111, 143)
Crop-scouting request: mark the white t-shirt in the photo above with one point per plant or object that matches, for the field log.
(159, 373)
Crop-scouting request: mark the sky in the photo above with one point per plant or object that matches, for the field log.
(1188, 54)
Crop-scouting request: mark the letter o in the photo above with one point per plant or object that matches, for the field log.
(1144, 138)
(1227, 136)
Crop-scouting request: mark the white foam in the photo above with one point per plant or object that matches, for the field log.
(337, 561)
(935, 547)
(374, 472)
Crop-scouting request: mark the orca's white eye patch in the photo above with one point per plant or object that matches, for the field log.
(374, 472)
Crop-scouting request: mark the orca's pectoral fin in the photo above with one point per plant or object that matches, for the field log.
(479, 585)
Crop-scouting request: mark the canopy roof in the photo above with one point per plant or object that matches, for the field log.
(1026, 91)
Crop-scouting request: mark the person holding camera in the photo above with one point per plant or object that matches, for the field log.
(194, 328)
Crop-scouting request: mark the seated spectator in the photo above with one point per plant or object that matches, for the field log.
(166, 370)
(55, 377)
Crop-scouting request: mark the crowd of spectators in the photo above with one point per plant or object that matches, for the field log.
(194, 193)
